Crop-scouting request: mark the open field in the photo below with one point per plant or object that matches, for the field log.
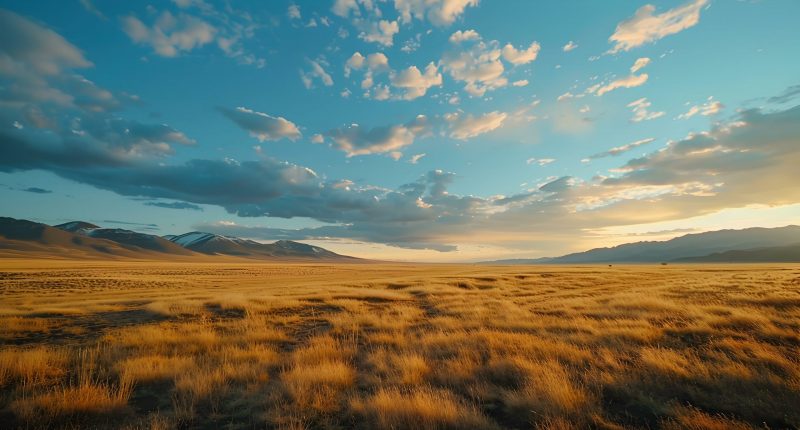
(230, 345)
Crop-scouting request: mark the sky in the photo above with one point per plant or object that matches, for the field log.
(414, 130)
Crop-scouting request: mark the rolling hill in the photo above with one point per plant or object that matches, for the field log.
(79, 239)
(684, 248)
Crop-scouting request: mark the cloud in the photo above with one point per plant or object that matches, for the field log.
(540, 161)
(520, 83)
(466, 126)
(618, 150)
(37, 190)
(411, 82)
(569, 46)
(788, 95)
(640, 110)
(709, 108)
(317, 72)
(522, 56)
(357, 140)
(626, 82)
(169, 36)
(35, 48)
(462, 36)
(438, 12)
(343, 7)
(381, 32)
(640, 64)
(478, 63)
(414, 159)
(174, 205)
(414, 82)
(293, 12)
(645, 26)
(91, 8)
(262, 126)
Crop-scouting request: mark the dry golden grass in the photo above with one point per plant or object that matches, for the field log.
(196, 345)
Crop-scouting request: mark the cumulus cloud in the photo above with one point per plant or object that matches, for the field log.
(569, 46)
(462, 36)
(521, 56)
(641, 110)
(709, 108)
(463, 127)
(414, 82)
(437, 12)
(646, 26)
(170, 35)
(381, 32)
(478, 63)
(356, 140)
(262, 126)
(520, 83)
(411, 82)
(293, 12)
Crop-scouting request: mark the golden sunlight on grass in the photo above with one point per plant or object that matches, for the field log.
(163, 345)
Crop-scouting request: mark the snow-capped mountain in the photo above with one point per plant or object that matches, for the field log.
(208, 243)
(123, 237)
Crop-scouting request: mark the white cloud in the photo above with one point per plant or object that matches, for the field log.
(540, 161)
(414, 82)
(262, 126)
(645, 26)
(569, 46)
(438, 12)
(640, 110)
(461, 36)
(381, 32)
(639, 64)
(523, 56)
(317, 72)
(293, 12)
(466, 126)
(317, 138)
(415, 158)
(170, 35)
(343, 7)
(479, 65)
(520, 83)
(711, 107)
(626, 82)
(356, 140)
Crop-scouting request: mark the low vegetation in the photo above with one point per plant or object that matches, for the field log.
(158, 346)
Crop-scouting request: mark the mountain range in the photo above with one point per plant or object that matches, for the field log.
(79, 239)
(757, 244)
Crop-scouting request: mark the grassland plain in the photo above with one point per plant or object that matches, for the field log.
(229, 345)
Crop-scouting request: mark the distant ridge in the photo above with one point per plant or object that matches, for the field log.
(696, 247)
(214, 244)
(80, 239)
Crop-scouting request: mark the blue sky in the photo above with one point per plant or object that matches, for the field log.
(437, 130)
